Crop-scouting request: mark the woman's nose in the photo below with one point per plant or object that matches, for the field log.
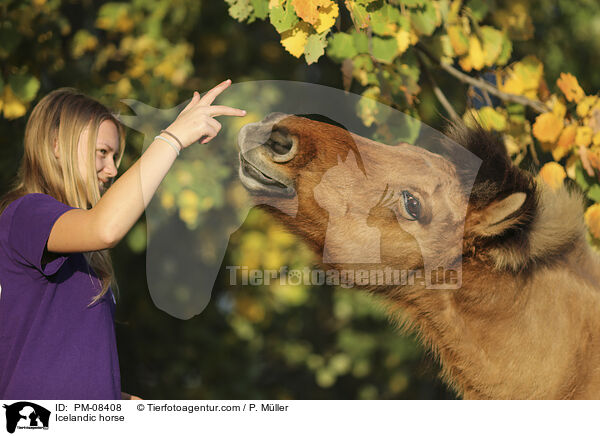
(110, 169)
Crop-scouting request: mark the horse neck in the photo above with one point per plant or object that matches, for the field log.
(508, 335)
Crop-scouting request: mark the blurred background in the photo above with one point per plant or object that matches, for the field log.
(262, 342)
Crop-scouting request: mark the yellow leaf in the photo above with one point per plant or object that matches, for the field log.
(558, 107)
(459, 41)
(327, 16)
(515, 17)
(403, 39)
(565, 142)
(294, 40)
(308, 10)
(553, 175)
(571, 166)
(476, 55)
(596, 139)
(465, 63)
(491, 119)
(367, 106)
(12, 107)
(592, 219)
(414, 38)
(547, 127)
(584, 106)
(522, 78)
(570, 87)
(274, 3)
(583, 137)
(124, 23)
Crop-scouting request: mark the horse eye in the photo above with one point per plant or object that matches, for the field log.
(411, 205)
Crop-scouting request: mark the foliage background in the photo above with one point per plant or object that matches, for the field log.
(298, 342)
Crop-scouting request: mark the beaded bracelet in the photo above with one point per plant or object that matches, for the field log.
(168, 141)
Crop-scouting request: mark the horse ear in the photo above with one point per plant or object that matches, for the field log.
(498, 216)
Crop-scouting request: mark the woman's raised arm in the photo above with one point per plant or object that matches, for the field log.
(123, 203)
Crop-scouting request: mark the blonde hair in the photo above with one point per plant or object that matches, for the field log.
(61, 117)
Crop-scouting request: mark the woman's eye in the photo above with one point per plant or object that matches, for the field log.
(411, 205)
(102, 151)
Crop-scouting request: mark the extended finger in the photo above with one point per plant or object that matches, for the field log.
(210, 96)
(192, 102)
(214, 111)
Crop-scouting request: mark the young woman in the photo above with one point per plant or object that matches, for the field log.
(57, 339)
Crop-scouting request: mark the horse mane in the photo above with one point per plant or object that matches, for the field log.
(547, 226)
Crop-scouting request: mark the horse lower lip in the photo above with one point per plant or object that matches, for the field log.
(259, 176)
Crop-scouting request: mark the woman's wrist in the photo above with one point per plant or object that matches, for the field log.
(176, 135)
(166, 132)
(168, 141)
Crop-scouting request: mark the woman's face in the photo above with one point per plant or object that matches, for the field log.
(107, 150)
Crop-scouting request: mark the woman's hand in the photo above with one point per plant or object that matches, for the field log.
(196, 120)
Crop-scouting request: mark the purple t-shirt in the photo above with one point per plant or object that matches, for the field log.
(52, 345)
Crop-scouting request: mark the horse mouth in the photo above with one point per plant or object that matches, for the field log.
(258, 182)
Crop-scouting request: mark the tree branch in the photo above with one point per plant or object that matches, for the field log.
(437, 91)
(538, 106)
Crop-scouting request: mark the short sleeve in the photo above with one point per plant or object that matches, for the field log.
(31, 224)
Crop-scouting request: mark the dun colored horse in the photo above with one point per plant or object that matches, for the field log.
(523, 319)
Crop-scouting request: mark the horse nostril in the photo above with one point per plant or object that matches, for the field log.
(282, 146)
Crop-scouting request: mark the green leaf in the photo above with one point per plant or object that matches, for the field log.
(506, 51)
(412, 3)
(239, 9)
(410, 129)
(24, 86)
(409, 75)
(110, 13)
(424, 19)
(367, 105)
(341, 46)
(492, 44)
(479, 8)
(363, 70)
(492, 119)
(405, 129)
(359, 14)
(283, 18)
(384, 49)
(594, 193)
(385, 20)
(261, 8)
(443, 7)
(361, 42)
(315, 48)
